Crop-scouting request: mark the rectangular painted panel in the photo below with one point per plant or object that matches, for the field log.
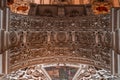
(61, 72)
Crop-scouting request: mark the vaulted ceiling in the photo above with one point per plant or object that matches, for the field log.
(98, 6)
(114, 2)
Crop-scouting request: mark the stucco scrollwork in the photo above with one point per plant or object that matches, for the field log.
(32, 72)
(14, 38)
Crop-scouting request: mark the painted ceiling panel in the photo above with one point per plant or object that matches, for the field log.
(61, 72)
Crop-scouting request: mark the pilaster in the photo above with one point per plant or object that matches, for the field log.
(4, 23)
(115, 41)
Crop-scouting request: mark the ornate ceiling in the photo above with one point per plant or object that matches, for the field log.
(59, 48)
(37, 40)
(50, 48)
(98, 6)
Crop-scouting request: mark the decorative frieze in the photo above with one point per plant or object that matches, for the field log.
(20, 22)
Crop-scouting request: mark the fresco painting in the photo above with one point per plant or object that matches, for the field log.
(61, 72)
